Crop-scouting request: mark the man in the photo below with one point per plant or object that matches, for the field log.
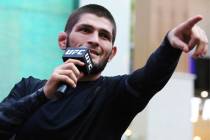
(95, 107)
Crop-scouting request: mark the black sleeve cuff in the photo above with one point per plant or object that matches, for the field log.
(168, 50)
(40, 96)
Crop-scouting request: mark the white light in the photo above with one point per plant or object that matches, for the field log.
(128, 132)
(195, 104)
(197, 138)
(204, 94)
(206, 110)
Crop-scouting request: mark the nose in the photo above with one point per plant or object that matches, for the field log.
(93, 39)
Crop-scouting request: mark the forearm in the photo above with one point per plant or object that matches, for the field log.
(13, 113)
(157, 71)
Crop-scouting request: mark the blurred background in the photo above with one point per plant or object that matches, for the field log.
(28, 46)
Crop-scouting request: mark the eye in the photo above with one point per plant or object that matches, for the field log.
(85, 30)
(104, 36)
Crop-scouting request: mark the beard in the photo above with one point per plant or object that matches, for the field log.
(98, 68)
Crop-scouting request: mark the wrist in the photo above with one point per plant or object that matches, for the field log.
(41, 94)
(48, 93)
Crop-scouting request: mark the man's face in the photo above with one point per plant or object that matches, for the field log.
(95, 33)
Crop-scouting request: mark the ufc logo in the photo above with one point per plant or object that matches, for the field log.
(90, 65)
(77, 52)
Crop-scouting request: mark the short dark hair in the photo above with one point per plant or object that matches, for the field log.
(95, 9)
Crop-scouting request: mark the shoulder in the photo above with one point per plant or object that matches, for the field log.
(26, 86)
(30, 81)
(115, 80)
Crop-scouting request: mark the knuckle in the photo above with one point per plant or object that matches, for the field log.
(70, 72)
(54, 77)
(71, 65)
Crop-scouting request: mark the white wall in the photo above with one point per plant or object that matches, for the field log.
(121, 12)
(167, 117)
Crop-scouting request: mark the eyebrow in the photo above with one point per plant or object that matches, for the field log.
(101, 29)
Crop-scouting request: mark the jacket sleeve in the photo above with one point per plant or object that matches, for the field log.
(17, 107)
(150, 79)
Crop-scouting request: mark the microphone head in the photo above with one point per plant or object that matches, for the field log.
(83, 54)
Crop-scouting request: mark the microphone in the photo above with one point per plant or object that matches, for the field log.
(82, 54)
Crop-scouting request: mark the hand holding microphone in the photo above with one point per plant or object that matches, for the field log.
(81, 54)
(77, 63)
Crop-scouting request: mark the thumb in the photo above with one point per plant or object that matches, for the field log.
(177, 43)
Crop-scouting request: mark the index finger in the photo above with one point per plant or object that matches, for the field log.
(188, 25)
(75, 61)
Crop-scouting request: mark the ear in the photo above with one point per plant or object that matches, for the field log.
(62, 40)
(113, 53)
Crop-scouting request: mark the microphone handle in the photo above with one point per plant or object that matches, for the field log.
(62, 89)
